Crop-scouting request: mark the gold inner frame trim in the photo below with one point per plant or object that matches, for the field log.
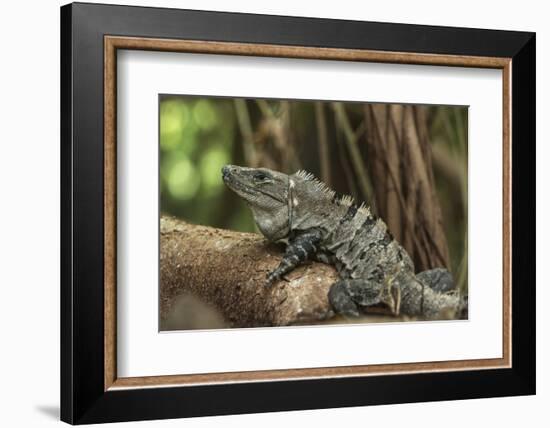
(113, 43)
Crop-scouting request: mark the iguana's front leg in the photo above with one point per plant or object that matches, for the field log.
(299, 249)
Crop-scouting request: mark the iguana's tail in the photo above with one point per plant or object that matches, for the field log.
(441, 281)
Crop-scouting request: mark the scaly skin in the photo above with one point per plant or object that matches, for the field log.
(374, 268)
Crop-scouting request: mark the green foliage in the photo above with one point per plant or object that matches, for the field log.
(449, 136)
(196, 139)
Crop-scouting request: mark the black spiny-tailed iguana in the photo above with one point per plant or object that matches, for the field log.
(373, 267)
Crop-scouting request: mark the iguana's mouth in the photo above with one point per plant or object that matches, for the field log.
(237, 185)
(234, 184)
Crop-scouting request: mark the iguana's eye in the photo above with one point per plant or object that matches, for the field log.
(260, 176)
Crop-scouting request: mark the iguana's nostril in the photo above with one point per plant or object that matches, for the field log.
(226, 170)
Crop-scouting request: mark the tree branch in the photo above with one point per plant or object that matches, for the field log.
(227, 270)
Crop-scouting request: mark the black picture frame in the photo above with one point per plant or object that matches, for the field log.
(83, 398)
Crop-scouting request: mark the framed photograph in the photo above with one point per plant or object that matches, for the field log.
(265, 213)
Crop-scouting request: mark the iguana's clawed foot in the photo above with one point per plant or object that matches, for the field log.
(348, 296)
(341, 301)
(273, 277)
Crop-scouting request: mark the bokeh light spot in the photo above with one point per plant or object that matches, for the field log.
(204, 114)
(210, 167)
(174, 116)
(183, 180)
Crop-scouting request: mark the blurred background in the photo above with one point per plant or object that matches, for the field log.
(408, 162)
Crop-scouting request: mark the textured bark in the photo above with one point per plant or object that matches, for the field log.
(400, 164)
(227, 270)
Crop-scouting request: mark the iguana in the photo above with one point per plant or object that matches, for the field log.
(375, 270)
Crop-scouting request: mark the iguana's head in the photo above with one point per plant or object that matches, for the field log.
(279, 202)
(266, 193)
